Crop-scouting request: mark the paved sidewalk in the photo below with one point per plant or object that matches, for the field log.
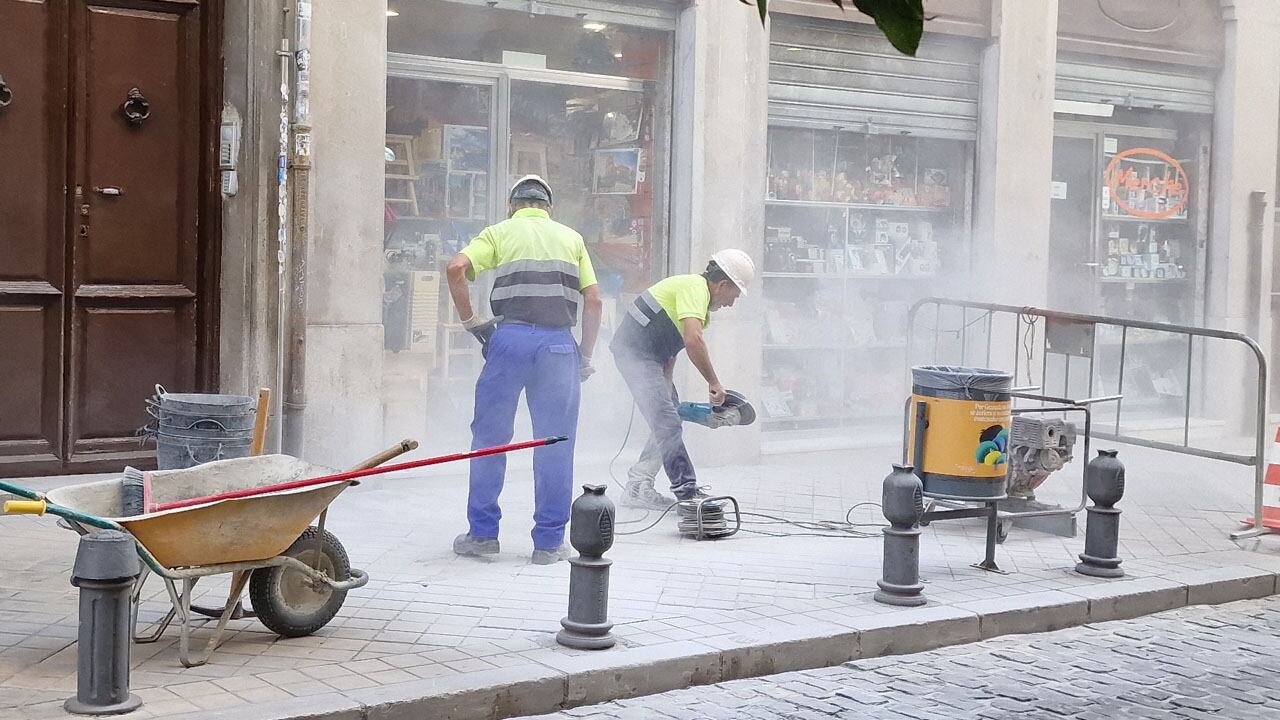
(477, 638)
(1192, 663)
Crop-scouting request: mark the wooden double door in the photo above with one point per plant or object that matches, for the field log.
(108, 223)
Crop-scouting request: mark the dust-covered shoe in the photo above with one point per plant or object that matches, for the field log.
(641, 494)
(470, 546)
(550, 557)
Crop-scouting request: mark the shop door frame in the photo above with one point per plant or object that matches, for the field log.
(498, 79)
(1097, 131)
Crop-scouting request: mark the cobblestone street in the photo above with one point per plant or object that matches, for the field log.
(1198, 662)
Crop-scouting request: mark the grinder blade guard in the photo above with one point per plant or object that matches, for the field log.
(735, 411)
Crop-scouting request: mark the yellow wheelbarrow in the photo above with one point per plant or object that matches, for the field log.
(250, 517)
(297, 574)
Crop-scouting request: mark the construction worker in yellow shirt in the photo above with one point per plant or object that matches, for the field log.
(667, 318)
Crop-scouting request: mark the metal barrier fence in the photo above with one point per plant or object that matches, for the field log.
(1067, 335)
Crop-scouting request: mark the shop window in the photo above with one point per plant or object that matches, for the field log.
(858, 226)
(492, 35)
(479, 97)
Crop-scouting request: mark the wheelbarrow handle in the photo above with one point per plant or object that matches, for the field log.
(38, 499)
(390, 453)
(25, 507)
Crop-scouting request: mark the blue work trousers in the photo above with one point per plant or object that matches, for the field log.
(543, 363)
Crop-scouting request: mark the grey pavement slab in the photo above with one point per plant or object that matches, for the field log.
(465, 638)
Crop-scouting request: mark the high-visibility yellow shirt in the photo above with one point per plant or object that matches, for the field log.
(684, 297)
(541, 268)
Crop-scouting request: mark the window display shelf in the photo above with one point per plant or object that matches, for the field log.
(854, 206)
(849, 347)
(846, 276)
(1135, 219)
(1143, 281)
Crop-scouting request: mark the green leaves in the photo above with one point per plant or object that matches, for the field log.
(901, 21)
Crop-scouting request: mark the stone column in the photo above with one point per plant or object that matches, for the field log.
(247, 312)
(343, 416)
(718, 189)
(1238, 284)
(1015, 145)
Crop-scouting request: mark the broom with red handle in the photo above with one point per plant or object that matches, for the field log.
(355, 474)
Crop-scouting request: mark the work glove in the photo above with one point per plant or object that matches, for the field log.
(482, 330)
(585, 369)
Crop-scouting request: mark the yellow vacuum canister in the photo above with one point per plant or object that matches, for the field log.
(963, 453)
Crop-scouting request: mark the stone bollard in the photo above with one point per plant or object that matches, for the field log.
(105, 569)
(1105, 485)
(587, 625)
(903, 505)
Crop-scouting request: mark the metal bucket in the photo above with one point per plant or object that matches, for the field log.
(968, 412)
(182, 422)
(203, 404)
(178, 452)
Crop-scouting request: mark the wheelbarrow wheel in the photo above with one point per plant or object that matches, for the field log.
(291, 604)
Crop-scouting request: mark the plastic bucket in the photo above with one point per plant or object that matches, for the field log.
(968, 412)
(178, 452)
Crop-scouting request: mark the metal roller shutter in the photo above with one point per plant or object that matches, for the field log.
(655, 14)
(1135, 84)
(823, 73)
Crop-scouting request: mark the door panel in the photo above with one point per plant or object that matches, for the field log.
(124, 352)
(29, 378)
(31, 138)
(146, 234)
(1073, 282)
(32, 221)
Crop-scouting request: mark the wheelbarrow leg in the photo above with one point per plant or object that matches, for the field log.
(136, 604)
(233, 599)
(238, 583)
(157, 629)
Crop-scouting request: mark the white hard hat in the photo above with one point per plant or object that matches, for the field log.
(737, 265)
(530, 187)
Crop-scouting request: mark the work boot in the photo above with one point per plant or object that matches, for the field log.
(550, 557)
(470, 546)
(641, 494)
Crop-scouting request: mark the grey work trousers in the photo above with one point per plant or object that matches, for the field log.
(656, 398)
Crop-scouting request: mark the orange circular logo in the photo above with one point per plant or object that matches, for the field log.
(1167, 190)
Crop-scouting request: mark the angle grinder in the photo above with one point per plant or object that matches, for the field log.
(734, 412)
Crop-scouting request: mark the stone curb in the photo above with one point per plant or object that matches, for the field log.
(566, 679)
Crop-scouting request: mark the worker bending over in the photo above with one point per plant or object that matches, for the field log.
(667, 318)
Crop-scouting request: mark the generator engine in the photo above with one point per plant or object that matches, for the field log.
(1038, 447)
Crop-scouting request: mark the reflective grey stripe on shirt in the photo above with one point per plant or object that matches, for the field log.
(637, 315)
(515, 266)
(508, 292)
(651, 301)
